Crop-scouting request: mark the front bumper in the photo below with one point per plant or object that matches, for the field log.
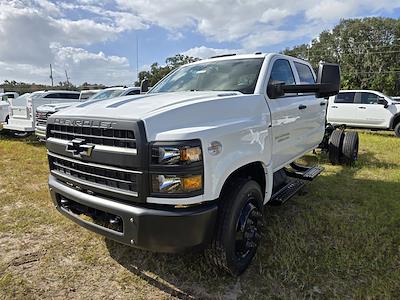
(160, 230)
(40, 132)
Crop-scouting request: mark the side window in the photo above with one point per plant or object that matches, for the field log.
(134, 92)
(53, 96)
(345, 98)
(10, 96)
(281, 72)
(69, 96)
(369, 98)
(305, 73)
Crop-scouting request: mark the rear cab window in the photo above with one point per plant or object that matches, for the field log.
(305, 74)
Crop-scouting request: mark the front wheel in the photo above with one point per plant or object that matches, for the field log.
(239, 227)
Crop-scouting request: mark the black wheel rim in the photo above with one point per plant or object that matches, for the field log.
(248, 230)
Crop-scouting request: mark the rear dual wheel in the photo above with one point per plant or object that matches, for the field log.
(343, 147)
(239, 227)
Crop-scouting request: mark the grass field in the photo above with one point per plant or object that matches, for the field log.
(339, 239)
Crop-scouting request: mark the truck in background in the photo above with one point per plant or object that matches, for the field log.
(21, 121)
(364, 109)
(44, 111)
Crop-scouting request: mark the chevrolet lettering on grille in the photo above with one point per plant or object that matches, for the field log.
(79, 148)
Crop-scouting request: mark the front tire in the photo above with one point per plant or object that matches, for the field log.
(238, 228)
(397, 129)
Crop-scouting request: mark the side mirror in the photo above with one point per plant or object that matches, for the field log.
(328, 80)
(328, 84)
(275, 90)
(383, 101)
(144, 86)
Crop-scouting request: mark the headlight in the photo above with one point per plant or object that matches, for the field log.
(176, 169)
(176, 154)
(176, 184)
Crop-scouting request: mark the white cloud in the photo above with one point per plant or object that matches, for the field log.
(31, 38)
(274, 15)
(85, 66)
(205, 52)
(242, 21)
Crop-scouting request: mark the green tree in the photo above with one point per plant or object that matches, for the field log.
(157, 72)
(368, 51)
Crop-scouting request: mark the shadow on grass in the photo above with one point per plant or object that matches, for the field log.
(352, 214)
(31, 139)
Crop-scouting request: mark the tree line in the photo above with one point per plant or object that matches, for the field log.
(368, 51)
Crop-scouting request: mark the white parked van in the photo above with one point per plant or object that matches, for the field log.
(23, 109)
(364, 109)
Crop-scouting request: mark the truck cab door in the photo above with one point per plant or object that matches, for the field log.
(370, 113)
(287, 114)
(342, 109)
(314, 113)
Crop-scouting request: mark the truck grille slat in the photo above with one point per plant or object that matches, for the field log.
(41, 118)
(98, 136)
(125, 181)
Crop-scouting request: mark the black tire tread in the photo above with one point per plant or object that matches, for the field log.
(397, 129)
(215, 254)
(335, 146)
(350, 141)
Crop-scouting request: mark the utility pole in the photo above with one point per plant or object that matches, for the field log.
(51, 75)
(66, 76)
(137, 58)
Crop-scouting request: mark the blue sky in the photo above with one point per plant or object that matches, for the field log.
(95, 41)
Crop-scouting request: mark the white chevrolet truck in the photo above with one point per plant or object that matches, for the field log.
(192, 163)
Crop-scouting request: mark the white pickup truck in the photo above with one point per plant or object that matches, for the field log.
(23, 109)
(364, 109)
(44, 111)
(192, 163)
(5, 99)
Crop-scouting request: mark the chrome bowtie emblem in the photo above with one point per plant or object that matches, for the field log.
(78, 148)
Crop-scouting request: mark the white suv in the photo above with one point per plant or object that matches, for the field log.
(364, 109)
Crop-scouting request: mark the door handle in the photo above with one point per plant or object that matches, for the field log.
(362, 107)
(322, 103)
(302, 106)
(334, 106)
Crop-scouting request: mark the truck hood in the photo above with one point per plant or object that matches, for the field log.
(55, 106)
(141, 106)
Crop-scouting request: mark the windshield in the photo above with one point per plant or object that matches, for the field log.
(35, 95)
(226, 75)
(107, 94)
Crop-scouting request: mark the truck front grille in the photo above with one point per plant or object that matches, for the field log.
(99, 136)
(101, 179)
(41, 118)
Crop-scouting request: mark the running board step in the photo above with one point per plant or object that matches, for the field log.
(302, 172)
(286, 192)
